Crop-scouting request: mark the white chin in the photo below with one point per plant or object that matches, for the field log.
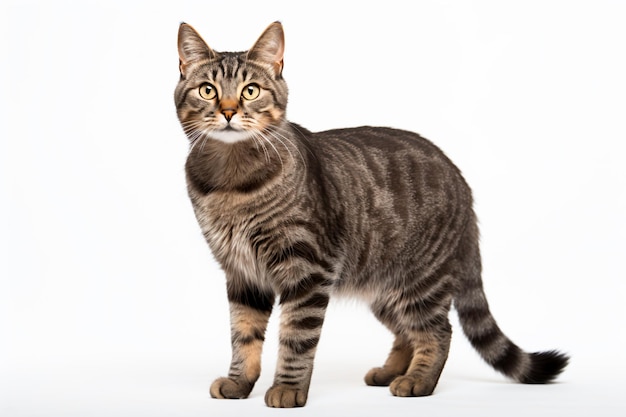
(230, 136)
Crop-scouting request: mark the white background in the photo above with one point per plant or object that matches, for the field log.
(110, 302)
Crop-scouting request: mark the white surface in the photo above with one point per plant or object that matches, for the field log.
(110, 303)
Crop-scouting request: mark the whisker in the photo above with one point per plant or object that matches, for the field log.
(197, 136)
(266, 139)
(304, 140)
(259, 141)
(204, 141)
(262, 134)
(196, 132)
(276, 134)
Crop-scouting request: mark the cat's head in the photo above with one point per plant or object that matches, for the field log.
(231, 96)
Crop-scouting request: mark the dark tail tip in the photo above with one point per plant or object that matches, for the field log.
(544, 367)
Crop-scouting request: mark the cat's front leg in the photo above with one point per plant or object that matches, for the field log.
(250, 309)
(303, 308)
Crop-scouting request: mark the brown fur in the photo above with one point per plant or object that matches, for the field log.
(375, 213)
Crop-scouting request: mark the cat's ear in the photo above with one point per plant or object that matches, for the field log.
(270, 47)
(191, 47)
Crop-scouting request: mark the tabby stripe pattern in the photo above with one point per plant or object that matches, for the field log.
(375, 213)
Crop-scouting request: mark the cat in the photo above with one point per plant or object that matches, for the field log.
(375, 213)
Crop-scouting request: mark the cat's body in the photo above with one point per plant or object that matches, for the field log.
(375, 213)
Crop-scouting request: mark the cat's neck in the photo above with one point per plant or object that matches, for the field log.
(243, 166)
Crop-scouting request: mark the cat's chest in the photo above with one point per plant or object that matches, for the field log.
(227, 230)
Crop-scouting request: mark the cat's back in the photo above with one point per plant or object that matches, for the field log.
(383, 142)
(393, 158)
(377, 137)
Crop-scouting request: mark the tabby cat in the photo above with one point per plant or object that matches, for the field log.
(376, 213)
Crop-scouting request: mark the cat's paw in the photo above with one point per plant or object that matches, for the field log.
(408, 386)
(284, 396)
(380, 377)
(230, 388)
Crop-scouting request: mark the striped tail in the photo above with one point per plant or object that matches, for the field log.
(484, 334)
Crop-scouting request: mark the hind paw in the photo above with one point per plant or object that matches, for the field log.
(408, 386)
(230, 388)
(380, 377)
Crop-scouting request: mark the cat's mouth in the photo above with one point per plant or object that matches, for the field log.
(229, 134)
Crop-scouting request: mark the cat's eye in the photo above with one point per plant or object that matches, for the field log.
(251, 91)
(208, 91)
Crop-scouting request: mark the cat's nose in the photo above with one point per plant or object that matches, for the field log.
(229, 113)
(228, 109)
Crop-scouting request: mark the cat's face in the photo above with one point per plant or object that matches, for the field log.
(231, 96)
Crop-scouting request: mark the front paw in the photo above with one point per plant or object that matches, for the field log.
(285, 396)
(230, 388)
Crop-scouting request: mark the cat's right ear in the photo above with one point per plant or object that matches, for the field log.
(191, 48)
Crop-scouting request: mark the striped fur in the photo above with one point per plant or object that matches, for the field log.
(295, 217)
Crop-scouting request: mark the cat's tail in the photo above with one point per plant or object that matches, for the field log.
(484, 334)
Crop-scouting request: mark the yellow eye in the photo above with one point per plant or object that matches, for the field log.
(251, 91)
(208, 91)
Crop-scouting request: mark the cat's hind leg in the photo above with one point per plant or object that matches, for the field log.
(417, 314)
(414, 364)
(430, 352)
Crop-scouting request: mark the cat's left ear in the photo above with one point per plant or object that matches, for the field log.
(270, 47)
